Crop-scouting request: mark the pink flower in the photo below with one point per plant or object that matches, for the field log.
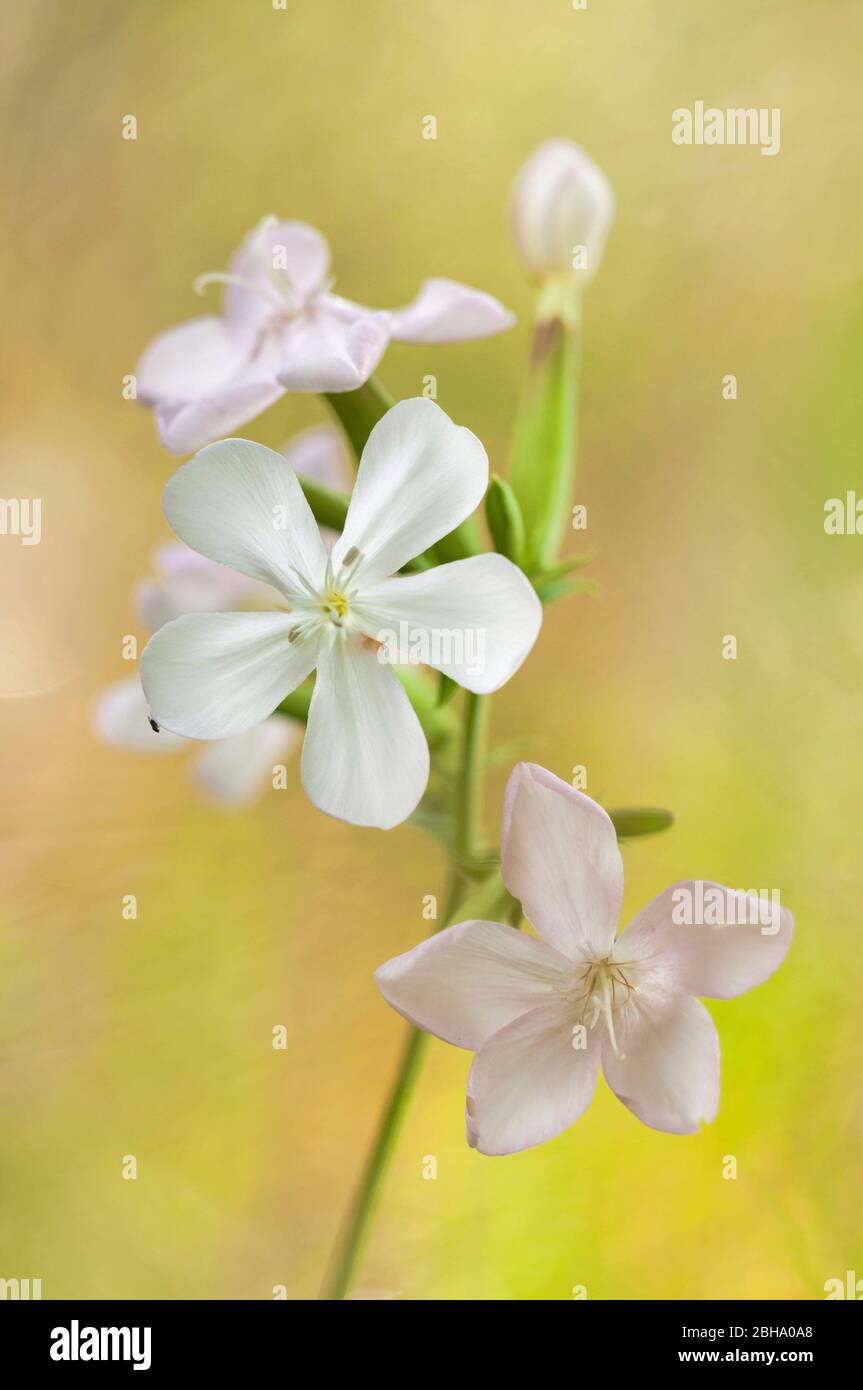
(543, 1014)
(282, 329)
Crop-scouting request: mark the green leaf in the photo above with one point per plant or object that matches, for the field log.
(631, 821)
(544, 441)
(560, 588)
(505, 521)
(572, 562)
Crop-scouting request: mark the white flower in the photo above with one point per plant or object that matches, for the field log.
(365, 758)
(562, 209)
(543, 1014)
(282, 329)
(230, 771)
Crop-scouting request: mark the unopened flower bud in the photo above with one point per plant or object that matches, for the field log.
(562, 209)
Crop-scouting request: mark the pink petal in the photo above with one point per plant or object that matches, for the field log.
(192, 584)
(468, 981)
(272, 245)
(445, 311)
(332, 348)
(706, 957)
(528, 1083)
(232, 772)
(319, 453)
(668, 1074)
(121, 719)
(185, 426)
(191, 361)
(560, 859)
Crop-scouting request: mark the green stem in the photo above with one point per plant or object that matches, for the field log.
(328, 508)
(542, 464)
(468, 819)
(359, 411)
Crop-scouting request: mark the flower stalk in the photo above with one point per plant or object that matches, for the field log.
(542, 462)
(468, 828)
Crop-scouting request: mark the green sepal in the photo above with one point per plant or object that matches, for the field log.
(632, 821)
(505, 521)
(544, 441)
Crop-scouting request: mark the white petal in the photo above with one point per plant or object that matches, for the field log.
(717, 959)
(470, 980)
(328, 350)
(419, 477)
(561, 201)
(669, 1072)
(211, 675)
(190, 424)
(365, 758)
(191, 360)
(561, 860)
(287, 260)
(121, 718)
(528, 1083)
(233, 771)
(320, 453)
(445, 312)
(476, 620)
(241, 504)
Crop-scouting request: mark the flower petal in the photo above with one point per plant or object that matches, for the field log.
(419, 476)
(211, 675)
(528, 1083)
(332, 350)
(241, 504)
(475, 620)
(233, 771)
(190, 361)
(121, 717)
(187, 425)
(561, 201)
(719, 959)
(668, 1074)
(365, 758)
(470, 980)
(560, 858)
(445, 311)
(287, 260)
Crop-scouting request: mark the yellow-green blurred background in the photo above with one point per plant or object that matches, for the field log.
(153, 1037)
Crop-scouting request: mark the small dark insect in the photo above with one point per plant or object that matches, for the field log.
(153, 725)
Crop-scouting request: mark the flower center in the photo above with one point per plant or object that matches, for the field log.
(603, 989)
(335, 605)
(273, 282)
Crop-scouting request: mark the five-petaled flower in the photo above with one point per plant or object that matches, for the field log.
(543, 1013)
(282, 329)
(365, 757)
(230, 772)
